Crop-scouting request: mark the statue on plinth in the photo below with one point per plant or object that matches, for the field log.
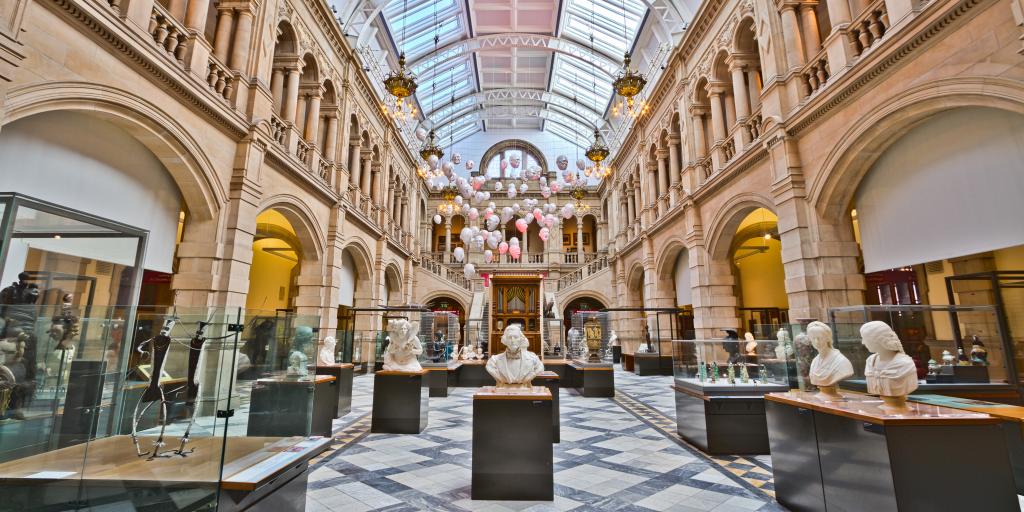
(297, 359)
(401, 354)
(516, 366)
(326, 355)
(830, 365)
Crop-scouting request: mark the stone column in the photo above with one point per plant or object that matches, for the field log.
(838, 13)
(631, 210)
(652, 184)
(243, 36)
(277, 86)
(176, 8)
(291, 95)
(754, 84)
(579, 239)
(402, 220)
(195, 17)
(222, 35)
(812, 40)
(698, 135)
(662, 156)
(313, 117)
(364, 176)
(637, 206)
(717, 114)
(331, 137)
(739, 88)
(447, 237)
(354, 166)
(673, 166)
(375, 184)
(791, 35)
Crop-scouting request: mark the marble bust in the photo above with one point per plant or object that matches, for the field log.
(613, 339)
(784, 349)
(467, 352)
(516, 366)
(326, 355)
(890, 373)
(401, 354)
(297, 359)
(830, 365)
(751, 347)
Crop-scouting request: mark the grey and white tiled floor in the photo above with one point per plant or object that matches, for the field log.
(615, 454)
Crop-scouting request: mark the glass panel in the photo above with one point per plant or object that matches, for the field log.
(729, 366)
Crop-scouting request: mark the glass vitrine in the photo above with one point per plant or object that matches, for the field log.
(729, 366)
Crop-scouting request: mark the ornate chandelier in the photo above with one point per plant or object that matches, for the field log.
(430, 147)
(628, 84)
(578, 192)
(400, 85)
(448, 206)
(597, 153)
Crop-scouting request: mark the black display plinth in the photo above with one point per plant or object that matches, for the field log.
(512, 445)
(473, 374)
(616, 354)
(593, 380)
(293, 407)
(850, 455)
(436, 379)
(342, 372)
(723, 421)
(400, 402)
(652, 364)
(550, 380)
(81, 405)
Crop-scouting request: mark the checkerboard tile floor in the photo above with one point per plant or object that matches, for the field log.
(617, 454)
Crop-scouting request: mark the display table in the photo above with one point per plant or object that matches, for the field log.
(852, 455)
(652, 364)
(994, 391)
(512, 445)
(616, 354)
(473, 374)
(342, 372)
(628, 362)
(436, 380)
(281, 407)
(1012, 425)
(550, 380)
(592, 379)
(400, 402)
(723, 418)
(270, 472)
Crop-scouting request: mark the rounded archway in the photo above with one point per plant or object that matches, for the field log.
(755, 255)
(580, 304)
(273, 274)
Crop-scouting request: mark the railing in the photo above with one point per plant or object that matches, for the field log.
(303, 149)
(728, 149)
(571, 257)
(219, 77)
(753, 125)
(869, 27)
(365, 205)
(595, 262)
(815, 73)
(443, 271)
(535, 258)
(704, 167)
(325, 170)
(168, 33)
(278, 130)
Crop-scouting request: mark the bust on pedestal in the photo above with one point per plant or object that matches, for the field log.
(325, 357)
(890, 373)
(516, 366)
(830, 365)
(399, 399)
(513, 410)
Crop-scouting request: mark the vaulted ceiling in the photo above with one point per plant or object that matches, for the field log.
(492, 65)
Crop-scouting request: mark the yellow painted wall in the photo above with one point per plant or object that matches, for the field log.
(270, 277)
(762, 278)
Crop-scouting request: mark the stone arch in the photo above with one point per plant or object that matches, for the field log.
(310, 69)
(301, 217)
(393, 283)
(527, 147)
(727, 219)
(362, 256)
(596, 295)
(744, 38)
(287, 41)
(444, 294)
(635, 285)
(182, 156)
(855, 152)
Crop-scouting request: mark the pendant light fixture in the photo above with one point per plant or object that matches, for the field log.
(628, 84)
(401, 85)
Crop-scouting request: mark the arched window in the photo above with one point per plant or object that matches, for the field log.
(514, 150)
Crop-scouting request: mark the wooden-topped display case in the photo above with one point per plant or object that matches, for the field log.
(173, 410)
(852, 453)
(719, 390)
(512, 444)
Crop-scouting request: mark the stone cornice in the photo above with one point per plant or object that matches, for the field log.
(918, 33)
(142, 52)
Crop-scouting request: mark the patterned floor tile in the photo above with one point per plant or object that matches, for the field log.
(616, 454)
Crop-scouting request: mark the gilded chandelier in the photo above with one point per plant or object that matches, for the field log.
(430, 147)
(400, 85)
(597, 153)
(629, 84)
(448, 206)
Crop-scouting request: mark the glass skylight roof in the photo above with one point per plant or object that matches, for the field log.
(573, 78)
(606, 24)
(419, 24)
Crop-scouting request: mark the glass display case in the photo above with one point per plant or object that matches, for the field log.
(953, 347)
(729, 366)
(187, 405)
(555, 346)
(589, 337)
(441, 336)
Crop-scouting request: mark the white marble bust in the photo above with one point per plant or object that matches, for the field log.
(326, 355)
(889, 372)
(613, 339)
(516, 366)
(830, 365)
(784, 349)
(467, 352)
(401, 354)
(751, 347)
